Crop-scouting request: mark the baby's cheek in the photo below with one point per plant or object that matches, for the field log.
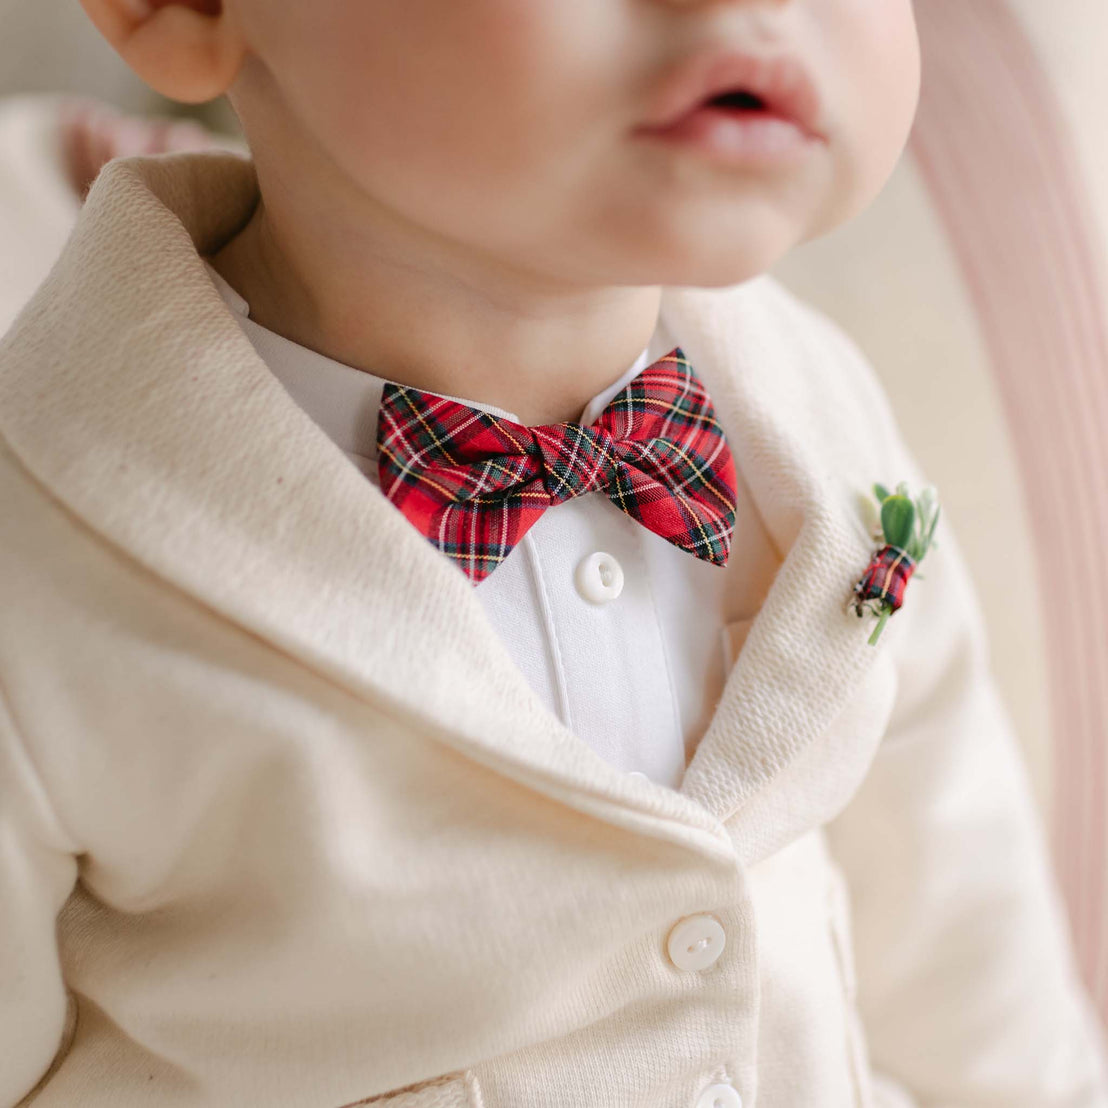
(880, 49)
(870, 68)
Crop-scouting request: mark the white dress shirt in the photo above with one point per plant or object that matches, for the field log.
(619, 631)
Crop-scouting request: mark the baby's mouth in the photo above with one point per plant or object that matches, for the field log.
(737, 99)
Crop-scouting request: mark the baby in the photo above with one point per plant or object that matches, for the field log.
(429, 676)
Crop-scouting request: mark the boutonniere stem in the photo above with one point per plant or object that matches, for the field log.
(905, 533)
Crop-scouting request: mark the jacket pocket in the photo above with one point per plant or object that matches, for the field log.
(451, 1090)
(838, 915)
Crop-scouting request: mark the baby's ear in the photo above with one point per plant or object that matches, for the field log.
(188, 50)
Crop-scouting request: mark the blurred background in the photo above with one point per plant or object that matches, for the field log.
(975, 285)
(50, 46)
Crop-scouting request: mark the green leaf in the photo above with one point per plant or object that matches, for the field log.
(898, 518)
(881, 493)
(931, 530)
(928, 499)
(918, 546)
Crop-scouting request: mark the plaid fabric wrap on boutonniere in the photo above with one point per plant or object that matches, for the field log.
(904, 529)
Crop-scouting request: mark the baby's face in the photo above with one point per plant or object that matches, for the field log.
(511, 126)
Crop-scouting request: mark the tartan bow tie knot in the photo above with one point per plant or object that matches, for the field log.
(473, 483)
(576, 459)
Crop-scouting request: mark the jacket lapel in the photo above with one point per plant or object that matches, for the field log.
(129, 390)
(805, 654)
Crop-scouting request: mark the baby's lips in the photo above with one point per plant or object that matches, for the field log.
(781, 82)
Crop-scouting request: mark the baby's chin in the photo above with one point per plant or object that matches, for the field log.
(709, 261)
(715, 244)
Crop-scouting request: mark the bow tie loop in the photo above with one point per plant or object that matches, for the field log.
(576, 458)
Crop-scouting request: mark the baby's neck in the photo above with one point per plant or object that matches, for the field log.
(421, 313)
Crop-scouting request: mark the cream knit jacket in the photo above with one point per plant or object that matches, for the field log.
(282, 825)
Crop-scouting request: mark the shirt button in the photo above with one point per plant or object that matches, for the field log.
(599, 577)
(696, 942)
(720, 1096)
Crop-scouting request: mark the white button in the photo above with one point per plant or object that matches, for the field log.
(599, 577)
(720, 1096)
(638, 773)
(696, 942)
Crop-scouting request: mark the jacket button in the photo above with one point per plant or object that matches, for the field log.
(720, 1096)
(695, 943)
(598, 577)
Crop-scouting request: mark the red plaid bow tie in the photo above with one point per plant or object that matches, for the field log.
(474, 483)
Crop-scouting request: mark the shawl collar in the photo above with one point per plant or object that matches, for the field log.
(128, 390)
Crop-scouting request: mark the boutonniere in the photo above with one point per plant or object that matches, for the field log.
(904, 529)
